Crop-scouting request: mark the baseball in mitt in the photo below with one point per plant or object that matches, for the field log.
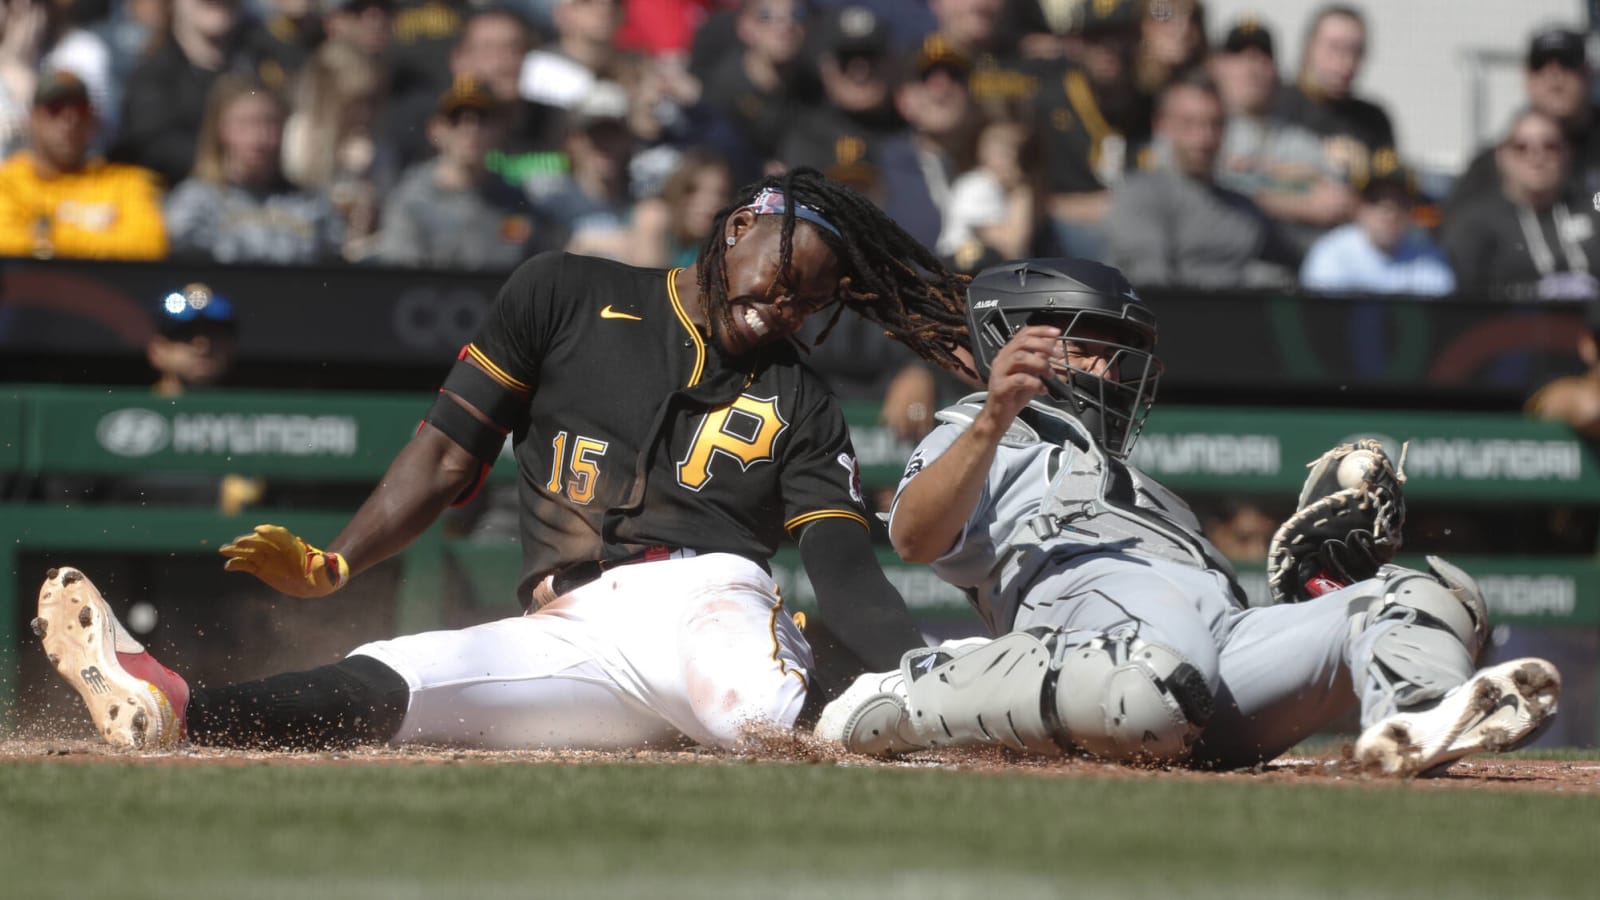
(1351, 512)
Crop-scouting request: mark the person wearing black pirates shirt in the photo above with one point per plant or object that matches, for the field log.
(1093, 122)
(667, 440)
(1353, 130)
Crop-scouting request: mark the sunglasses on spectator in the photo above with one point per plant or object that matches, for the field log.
(1524, 148)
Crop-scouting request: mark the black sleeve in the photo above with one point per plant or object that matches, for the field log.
(865, 626)
(154, 130)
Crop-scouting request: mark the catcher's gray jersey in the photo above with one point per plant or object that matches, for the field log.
(1052, 497)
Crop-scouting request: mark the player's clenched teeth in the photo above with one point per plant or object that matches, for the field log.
(753, 319)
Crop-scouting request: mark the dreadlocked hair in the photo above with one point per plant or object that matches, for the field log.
(890, 278)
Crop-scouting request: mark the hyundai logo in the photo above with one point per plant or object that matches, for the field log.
(133, 432)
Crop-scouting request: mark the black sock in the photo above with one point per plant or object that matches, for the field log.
(354, 701)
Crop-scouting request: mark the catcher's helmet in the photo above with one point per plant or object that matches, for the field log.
(1097, 309)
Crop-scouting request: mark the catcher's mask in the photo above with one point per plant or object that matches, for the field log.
(1099, 316)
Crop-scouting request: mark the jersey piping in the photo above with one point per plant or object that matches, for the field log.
(499, 374)
(804, 518)
(688, 326)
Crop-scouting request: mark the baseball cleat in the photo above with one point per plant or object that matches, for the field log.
(1500, 708)
(871, 717)
(136, 703)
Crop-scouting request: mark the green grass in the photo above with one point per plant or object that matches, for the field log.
(766, 831)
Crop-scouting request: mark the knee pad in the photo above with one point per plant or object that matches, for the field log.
(1126, 699)
(1443, 622)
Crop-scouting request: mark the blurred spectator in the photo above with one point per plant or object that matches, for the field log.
(450, 212)
(194, 341)
(918, 163)
(57, 200)
(363, 24)
(1557, 83)
(716, 39)
(1575, 399)
(971, 28)
(993, 210)
(1278, 164)
(166, 94)
(330, 143)
(1529, 239)
(583, 52)
(1177, 226)
(660, 125)
(1353, 129)
(1380, 252)
(490, 50)
(290, 32)
(589, 204)
(40, 36)
(756, 86)
(196, 334)
(693, 195)
(1092, 122)
(424, 37)
(856, 68)
(1172, 40)
(1241, 530)
(130, 30)
(237, 207)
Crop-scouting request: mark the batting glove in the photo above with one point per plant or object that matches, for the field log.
(287, 563)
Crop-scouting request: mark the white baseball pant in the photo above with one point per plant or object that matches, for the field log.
(642, 656)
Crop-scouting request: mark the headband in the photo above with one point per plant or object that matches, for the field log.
(771, 201)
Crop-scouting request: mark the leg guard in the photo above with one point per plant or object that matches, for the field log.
(991, 694)
(1442, 624)
(1115, 696)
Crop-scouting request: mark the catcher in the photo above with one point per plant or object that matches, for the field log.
(1120, 631)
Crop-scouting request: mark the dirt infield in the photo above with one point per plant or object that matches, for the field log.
(1513, 773)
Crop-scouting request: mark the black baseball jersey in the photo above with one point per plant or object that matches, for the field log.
(640, 433)
(1088, 142)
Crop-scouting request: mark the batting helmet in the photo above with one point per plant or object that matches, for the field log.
(1098, 311)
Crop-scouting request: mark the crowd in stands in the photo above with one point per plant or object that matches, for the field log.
(457, 134)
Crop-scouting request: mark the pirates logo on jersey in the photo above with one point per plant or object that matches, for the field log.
(849, 463)
(746, 430)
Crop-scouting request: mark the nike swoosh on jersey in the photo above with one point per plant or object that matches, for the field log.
(608, 313)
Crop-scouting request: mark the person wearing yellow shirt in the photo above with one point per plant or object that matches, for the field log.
(57, 201)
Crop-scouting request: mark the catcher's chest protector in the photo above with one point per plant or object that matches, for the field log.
(1093, 502)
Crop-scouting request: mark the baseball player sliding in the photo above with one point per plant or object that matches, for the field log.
(1120, 631)
(667, 441)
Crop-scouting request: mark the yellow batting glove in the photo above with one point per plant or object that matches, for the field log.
(287, 563)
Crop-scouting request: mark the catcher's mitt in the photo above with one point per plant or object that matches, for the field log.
(1352, 509)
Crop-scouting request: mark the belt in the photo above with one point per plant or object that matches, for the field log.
(570, 578)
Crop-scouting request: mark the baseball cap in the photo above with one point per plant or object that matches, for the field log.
(60, 88)
(1557, 45)
(855, 31)
(466, 93)
(192, 308)
(937, 53)
(1248, 33)
(1108, 17)
(1394, 181)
